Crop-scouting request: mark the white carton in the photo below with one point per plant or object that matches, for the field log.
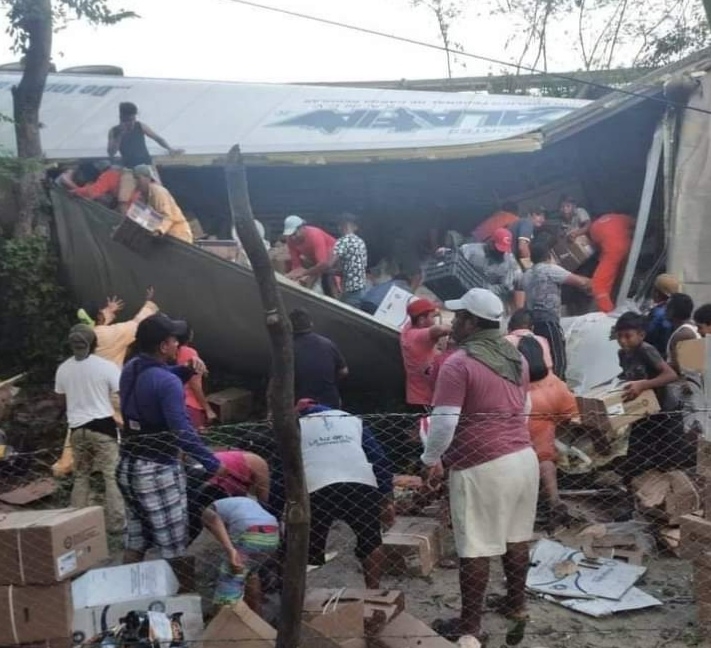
(393, 308)
(92, 621)
(124, 583)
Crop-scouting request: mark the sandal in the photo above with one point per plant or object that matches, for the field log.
(450, 629)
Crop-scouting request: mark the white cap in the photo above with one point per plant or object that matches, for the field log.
(292, 223)
(479, 302)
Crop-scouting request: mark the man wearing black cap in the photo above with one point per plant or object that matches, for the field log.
(156, 430)
(87, 383)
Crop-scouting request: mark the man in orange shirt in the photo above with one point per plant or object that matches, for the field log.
(104, 188)
(505, 217)
(310, 249)
(612, 235)
(418, 342)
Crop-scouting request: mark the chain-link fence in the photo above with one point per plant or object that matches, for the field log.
(601, 526)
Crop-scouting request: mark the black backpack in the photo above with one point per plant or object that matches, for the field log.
(532, 350)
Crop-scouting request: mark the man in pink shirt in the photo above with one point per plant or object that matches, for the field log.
(479, 430)
(310, 249)
(418, 342)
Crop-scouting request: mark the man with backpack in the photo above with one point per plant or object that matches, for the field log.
(552, 403)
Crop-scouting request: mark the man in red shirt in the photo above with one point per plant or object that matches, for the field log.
(418, 343)
(104, 188)
(478, 428)
(310, 249)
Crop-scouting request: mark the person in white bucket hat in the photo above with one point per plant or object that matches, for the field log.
(479, 431)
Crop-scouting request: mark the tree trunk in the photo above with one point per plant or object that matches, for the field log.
(27, 99)
(281, 403)
(707, 9)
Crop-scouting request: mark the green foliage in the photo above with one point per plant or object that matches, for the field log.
(36, 309)
(21, 13)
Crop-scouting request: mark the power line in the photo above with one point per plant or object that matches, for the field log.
(441, 48)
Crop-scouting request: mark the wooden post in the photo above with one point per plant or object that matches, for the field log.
(281, 403)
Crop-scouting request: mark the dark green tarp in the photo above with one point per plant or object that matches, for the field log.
(218, 298)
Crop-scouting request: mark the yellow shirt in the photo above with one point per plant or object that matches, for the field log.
(174, 221)
(112, 341)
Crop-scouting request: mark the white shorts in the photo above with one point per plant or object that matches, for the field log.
(494, 504)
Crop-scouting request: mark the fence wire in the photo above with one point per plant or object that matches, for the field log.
(604, 488)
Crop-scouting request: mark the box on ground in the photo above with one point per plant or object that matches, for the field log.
(238, 625)
(405, 631)
(695, 536)
(231, 405)
(35, 613)
(603, 408)
(44, 547)
(572, 254)
(132, 582)
(413, 545)
(90, 622)
(334, 614)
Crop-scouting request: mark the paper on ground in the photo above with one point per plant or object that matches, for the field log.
(634, 599)
(611, 580)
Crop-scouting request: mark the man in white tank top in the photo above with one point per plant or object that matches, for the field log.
(348, 478)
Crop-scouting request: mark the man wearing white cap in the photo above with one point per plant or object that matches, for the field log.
(479, 431)
(310, 249)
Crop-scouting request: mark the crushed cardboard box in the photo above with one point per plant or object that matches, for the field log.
(36, 490)
(666, 496)
(45, 547)
(237, 625)
(413, 545)
(334, 614)
(110, 585)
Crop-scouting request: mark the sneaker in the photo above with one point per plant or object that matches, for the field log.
(468, 641)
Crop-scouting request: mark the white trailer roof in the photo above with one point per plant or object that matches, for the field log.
(285, 123)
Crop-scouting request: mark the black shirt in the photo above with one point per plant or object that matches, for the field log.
(317, 362)
(132, 146)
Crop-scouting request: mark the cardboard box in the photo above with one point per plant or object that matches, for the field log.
(226, 250)
(90, 622)
(334, 614)
(695, 536)
(572, 254)
(379, 606)
(144, 216)
(237, 625)
(603, 408)
(405, 631)
(153, 579)
(413, 546)
(35, 613)
(45, 547)
(232, 405)
(691, 355)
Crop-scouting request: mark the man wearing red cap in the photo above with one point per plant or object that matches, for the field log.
(495, 260)
(418, 342)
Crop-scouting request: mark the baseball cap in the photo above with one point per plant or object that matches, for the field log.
(292, 223)
(157, 328)
(667, 284)
(502, 240)
(421, 307)
(145, 171)
(479, 302)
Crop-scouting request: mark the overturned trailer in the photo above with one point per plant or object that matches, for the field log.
(407, 162)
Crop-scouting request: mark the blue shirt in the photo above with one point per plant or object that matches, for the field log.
(153, 409)
(659, 329)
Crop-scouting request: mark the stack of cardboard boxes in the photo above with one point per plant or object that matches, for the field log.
(41, 552)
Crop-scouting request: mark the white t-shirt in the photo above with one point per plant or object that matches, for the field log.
(88, 385)
(240, 513)
(332, 450)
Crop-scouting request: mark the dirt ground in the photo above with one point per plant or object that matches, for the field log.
(668, 579)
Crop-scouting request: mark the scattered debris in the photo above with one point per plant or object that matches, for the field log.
(666, 496)
(37, 490)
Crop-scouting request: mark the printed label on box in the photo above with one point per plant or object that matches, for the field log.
(618, 409)
(67, 563)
